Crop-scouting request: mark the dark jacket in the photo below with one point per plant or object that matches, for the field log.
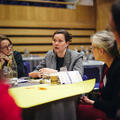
(109, 100)
(19, 62)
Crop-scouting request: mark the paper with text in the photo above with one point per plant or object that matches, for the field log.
(69, 77)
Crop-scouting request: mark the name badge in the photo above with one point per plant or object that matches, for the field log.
(63, 68)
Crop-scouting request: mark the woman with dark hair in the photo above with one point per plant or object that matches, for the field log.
(60, 57)
(107, 102)
(8, 108)
(6, 52)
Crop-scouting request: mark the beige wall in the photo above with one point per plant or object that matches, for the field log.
(32, 27)
(11, 15)
(102, 13)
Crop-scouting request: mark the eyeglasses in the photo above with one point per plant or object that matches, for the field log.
(6, 47)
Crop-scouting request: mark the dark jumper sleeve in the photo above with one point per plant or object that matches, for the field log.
(19, 62)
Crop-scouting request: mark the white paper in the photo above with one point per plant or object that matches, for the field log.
(75, 76)
(69, 77)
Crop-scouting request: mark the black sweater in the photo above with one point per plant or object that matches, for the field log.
(109, 101)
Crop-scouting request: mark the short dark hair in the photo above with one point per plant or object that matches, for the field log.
(68, 36)
(3, 37)
(115, 10)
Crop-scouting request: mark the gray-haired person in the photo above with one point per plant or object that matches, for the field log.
(105, 106)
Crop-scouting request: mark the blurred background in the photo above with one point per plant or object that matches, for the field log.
(31, 23)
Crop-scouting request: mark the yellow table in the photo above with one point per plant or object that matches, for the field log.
(31, 96)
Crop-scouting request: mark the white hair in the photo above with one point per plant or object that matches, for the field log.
(106, 40)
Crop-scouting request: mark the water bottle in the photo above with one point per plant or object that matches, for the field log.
(82, 51)
(12, 70)
(26, 52)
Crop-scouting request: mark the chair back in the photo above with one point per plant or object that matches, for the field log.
(92, 72)
(26, 68)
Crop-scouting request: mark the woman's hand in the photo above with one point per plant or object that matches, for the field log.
(86, 100)
(4, 57)
(47, 71)
(2, 61)
(41, 72)
(35, 74)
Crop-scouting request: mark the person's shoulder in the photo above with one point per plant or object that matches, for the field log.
(117, 60)
(50, 52)
(16, 53)
(116, 64)
(115, 70)
(17, 56)
(74, 53)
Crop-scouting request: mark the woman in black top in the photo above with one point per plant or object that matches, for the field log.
(107, 103)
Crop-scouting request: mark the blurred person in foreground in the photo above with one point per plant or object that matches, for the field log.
(6, 51)
(104, 107)
(8, 108)
(60, 58)
(115, 21)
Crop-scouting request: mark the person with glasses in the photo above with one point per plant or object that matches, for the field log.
(6, 49)
(60, 58)
(105, 105)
